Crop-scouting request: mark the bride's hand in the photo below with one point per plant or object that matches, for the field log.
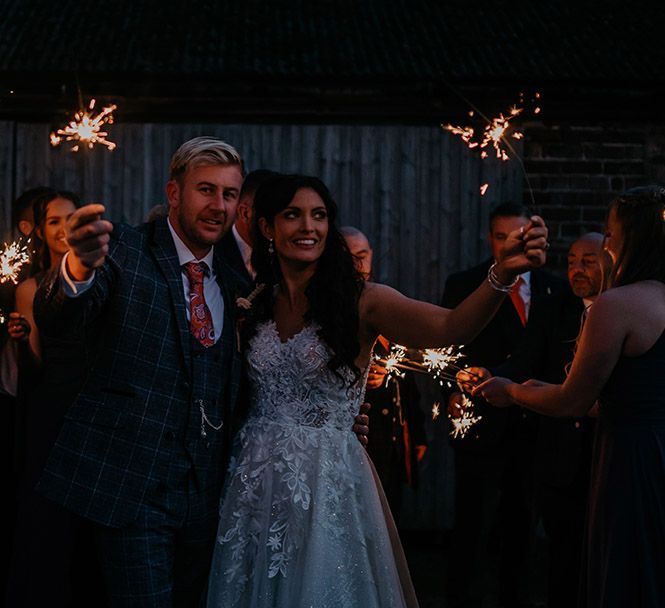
(523, 250)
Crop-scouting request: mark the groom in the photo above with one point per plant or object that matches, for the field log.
(141, 449)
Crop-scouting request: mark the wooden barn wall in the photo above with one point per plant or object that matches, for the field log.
(413, 190)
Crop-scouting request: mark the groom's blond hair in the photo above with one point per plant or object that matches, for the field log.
(203, 151)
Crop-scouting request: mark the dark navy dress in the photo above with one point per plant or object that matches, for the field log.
(625, 554)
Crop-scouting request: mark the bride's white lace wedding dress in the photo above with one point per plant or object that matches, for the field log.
(302, 521)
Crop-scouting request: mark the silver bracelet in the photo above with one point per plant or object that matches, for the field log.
(496, 284)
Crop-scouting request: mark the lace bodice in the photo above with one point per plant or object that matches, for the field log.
(291, 381)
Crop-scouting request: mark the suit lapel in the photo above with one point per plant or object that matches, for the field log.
(226, 280)
(167, 261)
(232, 256)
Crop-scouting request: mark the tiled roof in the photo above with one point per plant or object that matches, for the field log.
(355, 40)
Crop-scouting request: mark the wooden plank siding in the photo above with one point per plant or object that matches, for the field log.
(414, 190)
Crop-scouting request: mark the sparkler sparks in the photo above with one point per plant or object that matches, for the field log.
(462, 424)
(394, 362)
(436, 411)
(483, 189)
(438, 360)
(440, 363)
(86, 128)
(494, 134)
(12, 258)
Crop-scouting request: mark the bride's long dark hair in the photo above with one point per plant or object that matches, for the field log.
(335, 287)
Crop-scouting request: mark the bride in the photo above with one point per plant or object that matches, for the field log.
(303, 521)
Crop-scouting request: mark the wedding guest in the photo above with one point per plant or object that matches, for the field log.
(562, 460)
(23, 225)
(236, 244)
(397, 440)
(494, 502)
(620, 362)
(50, 371)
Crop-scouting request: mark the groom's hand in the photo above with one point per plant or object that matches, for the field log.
(87, 235)
(361, 427)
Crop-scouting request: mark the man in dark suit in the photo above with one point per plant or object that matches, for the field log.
(563, 447)
(141, 449)
(494, 498)
(397, 441)
(236, 244)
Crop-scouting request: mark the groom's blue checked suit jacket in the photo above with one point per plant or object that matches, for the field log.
(119, 434)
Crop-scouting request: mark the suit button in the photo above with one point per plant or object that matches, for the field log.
(577, 424)
(169, 435)
(385, 411)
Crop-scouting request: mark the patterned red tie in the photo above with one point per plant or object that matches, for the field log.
(518, 302)
(200, 319)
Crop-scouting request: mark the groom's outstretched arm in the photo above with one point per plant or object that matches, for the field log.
(75, 294)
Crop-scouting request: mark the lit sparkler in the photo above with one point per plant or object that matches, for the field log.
(462, 424)
(483, 189)
(494, 134)
(440, 363)
(86, 128)
(12, 258)
(394, 362)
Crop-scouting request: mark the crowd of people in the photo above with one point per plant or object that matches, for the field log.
(185, 397)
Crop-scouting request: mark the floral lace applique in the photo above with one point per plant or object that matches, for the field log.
(288, 450)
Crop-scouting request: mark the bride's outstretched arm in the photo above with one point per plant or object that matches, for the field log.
(385, 311)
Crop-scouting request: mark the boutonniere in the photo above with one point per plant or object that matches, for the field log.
(243, 305)
(246, 303)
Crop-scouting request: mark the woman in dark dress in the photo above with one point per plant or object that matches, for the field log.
(620, 363)
(46, 535)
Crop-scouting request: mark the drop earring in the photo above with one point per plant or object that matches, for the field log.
(271, 249)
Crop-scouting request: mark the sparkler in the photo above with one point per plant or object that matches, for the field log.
(86, 128)
(462, 424)
(12, 258)
(495, 134)
(439, 363)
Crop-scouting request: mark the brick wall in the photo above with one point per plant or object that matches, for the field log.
(574, 170)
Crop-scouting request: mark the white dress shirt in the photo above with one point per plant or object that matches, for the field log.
(245, 251)
(211, 291)
(525, 291)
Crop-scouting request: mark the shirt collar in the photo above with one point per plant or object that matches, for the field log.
(184, 254)
(245, 249)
